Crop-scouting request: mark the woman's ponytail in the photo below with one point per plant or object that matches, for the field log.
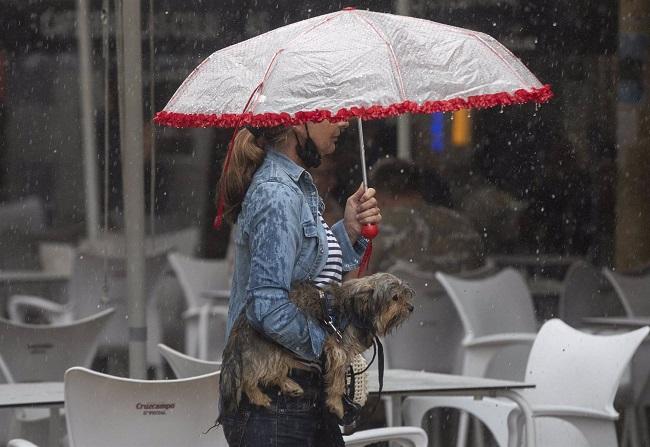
(246, 157)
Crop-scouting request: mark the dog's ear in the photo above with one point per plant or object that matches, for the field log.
(359, 293)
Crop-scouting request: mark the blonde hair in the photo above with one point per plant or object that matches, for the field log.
(247, 156)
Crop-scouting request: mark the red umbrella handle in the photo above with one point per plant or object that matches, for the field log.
(370, 231)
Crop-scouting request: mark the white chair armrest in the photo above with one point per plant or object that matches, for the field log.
(18, 303)
(501, 339)
(559, 411)
(194, 312)
(20, 443)
(406, 436)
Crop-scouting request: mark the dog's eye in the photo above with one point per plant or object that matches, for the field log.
(395, 297)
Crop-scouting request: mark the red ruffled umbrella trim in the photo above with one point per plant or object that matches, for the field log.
(521, 96)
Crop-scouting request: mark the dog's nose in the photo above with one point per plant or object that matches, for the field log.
(410, 308)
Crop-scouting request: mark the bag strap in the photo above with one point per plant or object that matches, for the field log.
(380, 366)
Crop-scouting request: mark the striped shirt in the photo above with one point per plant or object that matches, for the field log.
(333, 270)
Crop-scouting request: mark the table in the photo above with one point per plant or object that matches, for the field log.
(27, 276)
(622, 322)
(43, 394)
(404, 382)
(216, 294)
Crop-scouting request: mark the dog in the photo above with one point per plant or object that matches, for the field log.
(373, 305)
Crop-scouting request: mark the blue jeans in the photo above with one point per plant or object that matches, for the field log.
(288, 422)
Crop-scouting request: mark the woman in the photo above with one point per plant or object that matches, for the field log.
(281, 238)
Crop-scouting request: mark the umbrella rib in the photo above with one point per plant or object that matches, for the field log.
(398, 79)
(271, 66)
(505, 62)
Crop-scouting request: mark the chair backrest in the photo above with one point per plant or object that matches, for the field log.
(429, 340)
(26, 215)
(633, 291)
(57, 257)
(587, 293)
(87, 293)
(108, 411)
(185, 366)
(197, 276)
(575, 369)
(491, 305)
(42, 353)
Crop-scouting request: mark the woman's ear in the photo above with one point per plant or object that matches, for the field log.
(299, 131)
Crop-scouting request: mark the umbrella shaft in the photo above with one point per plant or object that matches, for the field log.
(362, 151)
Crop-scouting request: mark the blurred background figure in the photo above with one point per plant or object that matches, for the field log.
(433, 237)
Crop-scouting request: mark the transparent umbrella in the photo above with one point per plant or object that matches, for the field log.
(346, 64)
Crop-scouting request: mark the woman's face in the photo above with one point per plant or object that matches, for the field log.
(325, 134)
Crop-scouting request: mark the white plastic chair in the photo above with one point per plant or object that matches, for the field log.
(430, 340)
(108, 411)
(496, 313)
(404, 436)
(587, 293)
(42, 353)
(499, 323)
(26, 214)
(185, 366)
(634, 292)
(197, 277)
(576, 376)
(20, 306)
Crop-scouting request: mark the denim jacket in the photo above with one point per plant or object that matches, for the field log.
(279, 240)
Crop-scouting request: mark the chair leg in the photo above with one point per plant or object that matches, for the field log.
(477, 429)
(632, 427)
(436, 427)
(463, 427)
(643, 425)
(204, 315)
(625, 432)
(191, 339)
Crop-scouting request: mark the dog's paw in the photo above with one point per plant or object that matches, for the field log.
(291, 388)
(260, 399)
(335, 406)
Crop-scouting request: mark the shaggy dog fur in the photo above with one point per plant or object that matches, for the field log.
(374, 305)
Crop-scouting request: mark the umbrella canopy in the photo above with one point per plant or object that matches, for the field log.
(350, 63)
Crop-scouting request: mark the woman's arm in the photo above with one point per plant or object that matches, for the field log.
(275, 232)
